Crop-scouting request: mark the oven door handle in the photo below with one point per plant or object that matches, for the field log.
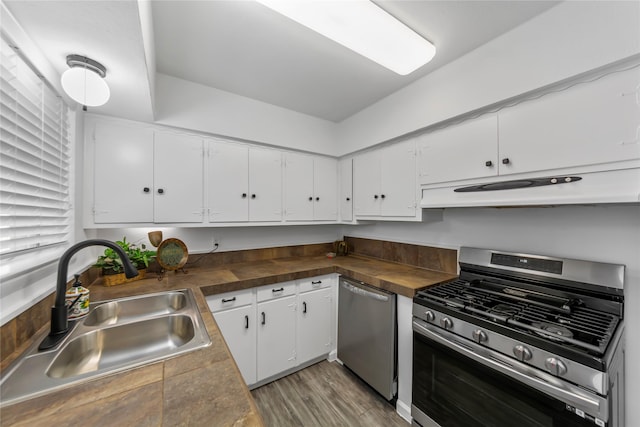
(590, 403)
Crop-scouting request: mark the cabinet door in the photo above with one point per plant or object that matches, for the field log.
(398, 190)
(588, 124)
(346, 190)
(325, 185)
(366, 184)
(298, 184)
(315, 314)
(265, 185)
(276, 336)
(228, 181)
(178, 178)
(238, 328)
(123, 174)
(464, 151)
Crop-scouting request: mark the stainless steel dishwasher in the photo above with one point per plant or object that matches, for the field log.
(367, 342)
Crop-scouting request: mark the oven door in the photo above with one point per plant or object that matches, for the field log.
(460, 383)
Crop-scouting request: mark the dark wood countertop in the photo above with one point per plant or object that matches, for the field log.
(203, 387)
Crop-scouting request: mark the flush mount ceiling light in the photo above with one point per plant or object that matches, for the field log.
(362, 27)
(84, 81)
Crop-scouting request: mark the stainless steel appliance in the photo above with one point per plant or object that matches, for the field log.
(367, 342)
(520, 340)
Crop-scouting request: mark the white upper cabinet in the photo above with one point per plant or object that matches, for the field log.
(465, 151)
(265, 184)
(178, 178)
(123, 174)
(228, 182)
(588, 124)
(245, 183)
(346, 190)
(142, 176)
(310, 188)
(384, 182)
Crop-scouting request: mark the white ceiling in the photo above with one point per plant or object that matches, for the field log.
(244, 48)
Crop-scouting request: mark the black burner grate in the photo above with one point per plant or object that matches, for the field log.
(561, 320)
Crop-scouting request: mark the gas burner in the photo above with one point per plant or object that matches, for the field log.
(551, 331)
(504, 309)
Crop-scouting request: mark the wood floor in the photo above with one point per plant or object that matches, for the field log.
(325, 394)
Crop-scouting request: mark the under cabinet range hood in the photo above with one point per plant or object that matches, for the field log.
(615, 186)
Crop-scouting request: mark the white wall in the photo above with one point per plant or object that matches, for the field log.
(566, 40)
(598, 233)
(184, 104)
(200, 240)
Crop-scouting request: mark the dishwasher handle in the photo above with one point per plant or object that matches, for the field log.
(360, 291)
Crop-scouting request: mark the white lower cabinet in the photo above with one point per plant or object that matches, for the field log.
(238, 326)
(272, 329)
(276, 336)
(315, 324)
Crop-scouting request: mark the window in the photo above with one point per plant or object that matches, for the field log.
(34, 168)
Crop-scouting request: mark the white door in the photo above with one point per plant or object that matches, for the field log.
(325, 184)
(588, 124)
(178, 178)
(465, 151)
(265, 185)
(228, 182)
(238, 328)
(366, 184)
(276, 336)
(298, 187)
(315, 325)
(123, 174)
(398, 190)
(346, 190)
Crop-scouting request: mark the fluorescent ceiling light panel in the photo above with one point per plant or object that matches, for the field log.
(362, 27)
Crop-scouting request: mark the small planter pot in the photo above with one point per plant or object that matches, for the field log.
(120, 278)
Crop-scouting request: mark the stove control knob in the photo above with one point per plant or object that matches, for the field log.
(522, 353)
(479, 336)
(446, 323)
(429, 316)
(555, 366)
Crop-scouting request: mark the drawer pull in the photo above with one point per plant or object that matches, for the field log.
(246, 322)
(228, 300)
(264, 318)
(304, 307)
(277, 290)
(317, 282)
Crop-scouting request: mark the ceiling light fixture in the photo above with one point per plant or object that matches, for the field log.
(363, 27)
(84, 81)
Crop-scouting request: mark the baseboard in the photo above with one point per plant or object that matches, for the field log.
(404, 411)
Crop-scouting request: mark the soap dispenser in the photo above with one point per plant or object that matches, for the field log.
(77, 299)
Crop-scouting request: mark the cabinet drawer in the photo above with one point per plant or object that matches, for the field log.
(229, 300)
(317, 282)
(276, 290)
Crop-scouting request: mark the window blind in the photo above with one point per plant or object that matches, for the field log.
(34, 167)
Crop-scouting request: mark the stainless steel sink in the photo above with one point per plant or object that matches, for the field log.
(127, 310)
(115, 336)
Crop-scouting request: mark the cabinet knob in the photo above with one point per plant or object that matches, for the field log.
(160, 191)
(488, 163)
(146, 189)
(505, 161)
(317, 199)
(310, 199)
(382, 196)
(244, 195)
(348, 199)
(375, 196)
(253, 196)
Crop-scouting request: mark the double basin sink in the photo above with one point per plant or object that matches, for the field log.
(116, 335)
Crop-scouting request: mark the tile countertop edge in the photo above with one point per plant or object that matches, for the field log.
(370, 270)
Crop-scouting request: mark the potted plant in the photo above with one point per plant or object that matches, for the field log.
(111, 265)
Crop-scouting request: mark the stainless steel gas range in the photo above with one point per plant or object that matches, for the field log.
(520, 340)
